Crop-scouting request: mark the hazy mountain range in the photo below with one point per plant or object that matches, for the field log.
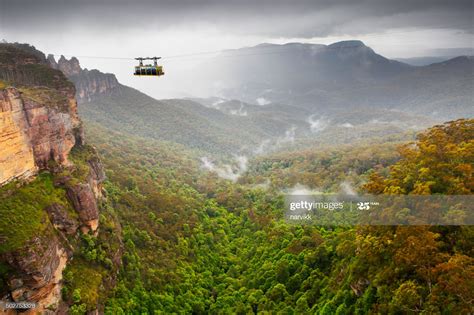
(272, 96)
(424, 60)
(342, 75)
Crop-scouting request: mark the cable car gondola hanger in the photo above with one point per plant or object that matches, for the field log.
(148, 70)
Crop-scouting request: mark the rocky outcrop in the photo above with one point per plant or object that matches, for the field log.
(96, 176)
(38, 271)
(83, 200)
(61, 219)
(89, 83)
(68, 67)
(84, 194)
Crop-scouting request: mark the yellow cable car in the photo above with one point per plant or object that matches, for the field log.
(148, 70)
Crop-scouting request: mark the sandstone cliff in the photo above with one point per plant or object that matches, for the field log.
(89, 83)
(16, 155)
(38, 114)
(41, 133)
(39, 125)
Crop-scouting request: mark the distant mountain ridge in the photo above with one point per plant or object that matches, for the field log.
(346, 74)
(424, 61)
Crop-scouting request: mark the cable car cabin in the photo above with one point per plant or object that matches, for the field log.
(148, 70)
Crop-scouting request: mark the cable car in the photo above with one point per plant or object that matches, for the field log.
(148, 70)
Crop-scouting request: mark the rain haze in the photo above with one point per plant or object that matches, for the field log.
(127, 29)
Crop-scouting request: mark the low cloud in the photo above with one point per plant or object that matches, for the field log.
(265, 185)
(263, 147)
(262, 101)
(269, 145)
(239, 112)
(317, 125)
(217, 103)
(300, 190)
(227, 171)
(289, 137)
(346, 188)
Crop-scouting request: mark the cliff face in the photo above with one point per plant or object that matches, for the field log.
(16, 155)
(34, 132)
(89, 83)
(39, 115)
(40, 131)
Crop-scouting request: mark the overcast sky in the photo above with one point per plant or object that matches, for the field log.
(393, 28)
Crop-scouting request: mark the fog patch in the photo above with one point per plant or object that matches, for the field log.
(239, 112)
(301, 190)
(262, 101)
(265, 185)
(217, 103)
(381, 122)
(289, 137)
(227, 171)
(347, 125)
(269, 145)
(346, 188)
(262, 147)
(317, 125)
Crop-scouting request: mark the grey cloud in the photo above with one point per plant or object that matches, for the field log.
(300, 18)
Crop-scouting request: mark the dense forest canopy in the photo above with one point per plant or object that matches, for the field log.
(195, 243)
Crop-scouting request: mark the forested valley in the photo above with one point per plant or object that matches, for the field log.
(194, 243)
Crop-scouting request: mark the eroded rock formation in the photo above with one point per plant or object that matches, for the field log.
(38, 271)
(84, 196)
(89, 83)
